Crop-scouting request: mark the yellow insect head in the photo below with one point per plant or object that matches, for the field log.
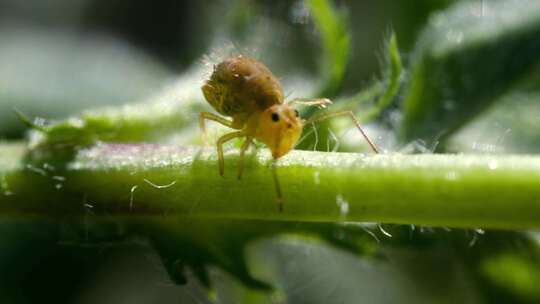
(279, 127)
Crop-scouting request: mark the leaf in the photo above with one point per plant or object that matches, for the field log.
(147, 121)
(465, 58)
(52, 74)
(380, 94)
(509, 126)
(382, 91)
(199, 243)
(392, 77)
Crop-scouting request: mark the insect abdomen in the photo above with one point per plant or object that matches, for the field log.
(218, 96)
(242, 85)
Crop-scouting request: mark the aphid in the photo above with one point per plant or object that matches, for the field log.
(245, 90)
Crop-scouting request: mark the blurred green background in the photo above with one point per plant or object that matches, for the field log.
(61, 57)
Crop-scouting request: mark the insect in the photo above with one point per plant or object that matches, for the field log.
(245, 90)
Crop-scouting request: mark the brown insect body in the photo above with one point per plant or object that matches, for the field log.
(240, 86)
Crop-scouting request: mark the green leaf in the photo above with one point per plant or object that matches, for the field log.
(392, 78)
(146, 121)
(380, 94)
(52, 74)
(509, 126)
(465, 58)
(383, 91)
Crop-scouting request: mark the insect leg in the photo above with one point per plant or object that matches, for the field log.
(320, 102)
(210, 116)
(243, 149)
(223, 139)
(277, 185)
(325, 116)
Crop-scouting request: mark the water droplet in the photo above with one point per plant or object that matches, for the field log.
(451, 176)
(342, 204)
(317, 177)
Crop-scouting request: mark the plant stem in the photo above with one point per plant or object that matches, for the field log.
(140, 180)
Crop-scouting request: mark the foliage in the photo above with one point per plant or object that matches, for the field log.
(97, 179)
(465, 58)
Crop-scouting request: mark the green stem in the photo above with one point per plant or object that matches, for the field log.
(439, 190)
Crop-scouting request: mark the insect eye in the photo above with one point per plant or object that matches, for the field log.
(275, 117)
(296, 113)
